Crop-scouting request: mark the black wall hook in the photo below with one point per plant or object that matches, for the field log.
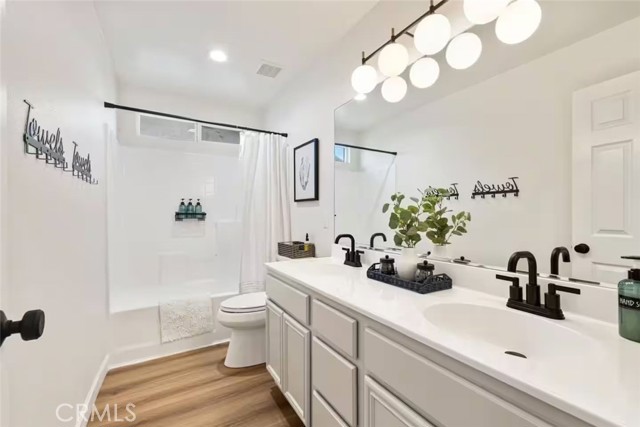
(483, 190)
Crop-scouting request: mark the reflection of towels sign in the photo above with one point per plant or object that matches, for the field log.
(304, 172)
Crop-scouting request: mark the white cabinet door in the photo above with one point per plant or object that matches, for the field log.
(606, 172)
(296, 360)
(274, 342)
(383, 409)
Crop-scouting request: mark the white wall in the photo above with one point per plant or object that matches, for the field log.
(515, 124)
(305, 110)
(53, 54)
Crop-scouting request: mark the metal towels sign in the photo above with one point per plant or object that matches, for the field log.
(48, 146)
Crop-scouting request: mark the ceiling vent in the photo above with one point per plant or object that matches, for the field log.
(269, 70)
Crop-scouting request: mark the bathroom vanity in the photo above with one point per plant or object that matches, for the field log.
(347, 351)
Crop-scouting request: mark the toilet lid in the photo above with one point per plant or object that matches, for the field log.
(245, 303)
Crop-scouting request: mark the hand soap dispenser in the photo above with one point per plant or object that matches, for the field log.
(198, 207)
(629, 303)
(182, 208)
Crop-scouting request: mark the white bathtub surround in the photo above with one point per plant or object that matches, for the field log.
(245, 316)
(266, 218)
(185, 318)
(578, 365)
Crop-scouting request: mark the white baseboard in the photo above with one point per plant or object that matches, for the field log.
(167, 354)
(94, 390)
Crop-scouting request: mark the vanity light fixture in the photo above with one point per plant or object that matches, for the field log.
(218, 56)
(360, 97)
(516, 21)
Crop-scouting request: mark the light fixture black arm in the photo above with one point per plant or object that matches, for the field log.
(405, 31)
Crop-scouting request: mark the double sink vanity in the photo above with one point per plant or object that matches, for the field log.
(348, 351)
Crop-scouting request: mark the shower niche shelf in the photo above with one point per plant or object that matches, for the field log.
(198, 216)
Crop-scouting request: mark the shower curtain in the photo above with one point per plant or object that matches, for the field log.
(265, 215)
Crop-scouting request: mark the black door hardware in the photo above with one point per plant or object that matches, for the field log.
(582, 248)
(30, 327)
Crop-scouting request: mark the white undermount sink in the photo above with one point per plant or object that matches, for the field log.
(499, 330)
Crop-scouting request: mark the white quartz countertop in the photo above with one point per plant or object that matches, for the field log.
(601, 388)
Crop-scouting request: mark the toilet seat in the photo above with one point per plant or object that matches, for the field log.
(245, 303)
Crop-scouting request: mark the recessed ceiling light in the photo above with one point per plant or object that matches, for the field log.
(360, 97)
(218, 56)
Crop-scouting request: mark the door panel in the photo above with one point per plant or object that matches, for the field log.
(274, 342)
(606, 173)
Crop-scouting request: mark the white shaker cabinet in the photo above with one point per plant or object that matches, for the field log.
(296, 373)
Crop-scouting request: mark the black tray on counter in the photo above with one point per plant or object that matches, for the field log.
(437, 282)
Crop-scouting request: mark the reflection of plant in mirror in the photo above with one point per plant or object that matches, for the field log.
(441, 229)
(405, 221)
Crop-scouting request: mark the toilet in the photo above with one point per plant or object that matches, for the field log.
(245, 316)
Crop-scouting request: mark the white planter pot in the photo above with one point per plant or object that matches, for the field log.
(441, 251)
(406, 263)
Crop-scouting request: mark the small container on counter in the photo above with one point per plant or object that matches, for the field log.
(424, 271)
(387, 265)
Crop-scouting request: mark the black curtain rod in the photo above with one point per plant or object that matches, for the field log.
(174, 116)
(393, 153)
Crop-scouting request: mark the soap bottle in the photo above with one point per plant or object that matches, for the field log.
(629, 303)
(198, 207)
(190, 208)
(182, 208)
(306, 242)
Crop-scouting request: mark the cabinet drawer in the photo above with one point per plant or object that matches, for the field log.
(322, 415)
(291, 300)
(443, 396)
(336, 380)
(338, 329)
(383, 409)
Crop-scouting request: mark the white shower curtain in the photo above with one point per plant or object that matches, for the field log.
(265, 218)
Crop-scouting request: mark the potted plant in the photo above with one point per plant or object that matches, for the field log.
(426, 215)
(440, 222)
(406, 223)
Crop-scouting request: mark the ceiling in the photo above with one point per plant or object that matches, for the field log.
(164, 45)
(563, 23)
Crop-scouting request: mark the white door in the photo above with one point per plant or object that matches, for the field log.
(383, 409)
(296, 373)
(606, 177)
(274, 342)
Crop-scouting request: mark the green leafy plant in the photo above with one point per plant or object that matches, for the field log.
(408, 222)
(440, 227)
(405, 221)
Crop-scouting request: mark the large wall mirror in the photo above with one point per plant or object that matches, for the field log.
(558, 116)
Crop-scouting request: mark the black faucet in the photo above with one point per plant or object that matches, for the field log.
(352, 257)
(373, 237)
(533, 290)
(555, 258)
(551, 308)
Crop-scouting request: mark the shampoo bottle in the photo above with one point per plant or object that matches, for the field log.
(198, 207)
(190, 208)
(182, 208)
(629, 303)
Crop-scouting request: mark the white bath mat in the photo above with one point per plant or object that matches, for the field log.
(185, 318)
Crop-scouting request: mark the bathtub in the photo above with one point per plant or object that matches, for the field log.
(135, 323)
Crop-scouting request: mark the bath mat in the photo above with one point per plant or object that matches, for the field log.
(185, 318)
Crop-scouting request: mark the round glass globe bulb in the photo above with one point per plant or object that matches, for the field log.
(518, 21)
(364, 79)
(393, 59)
(424, 72)
(463, 51)
(394, 89)
(481, 12)
(432, 34)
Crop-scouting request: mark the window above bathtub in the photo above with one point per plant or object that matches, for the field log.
(182, 130)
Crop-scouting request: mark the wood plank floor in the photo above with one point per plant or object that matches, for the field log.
(194, 389)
